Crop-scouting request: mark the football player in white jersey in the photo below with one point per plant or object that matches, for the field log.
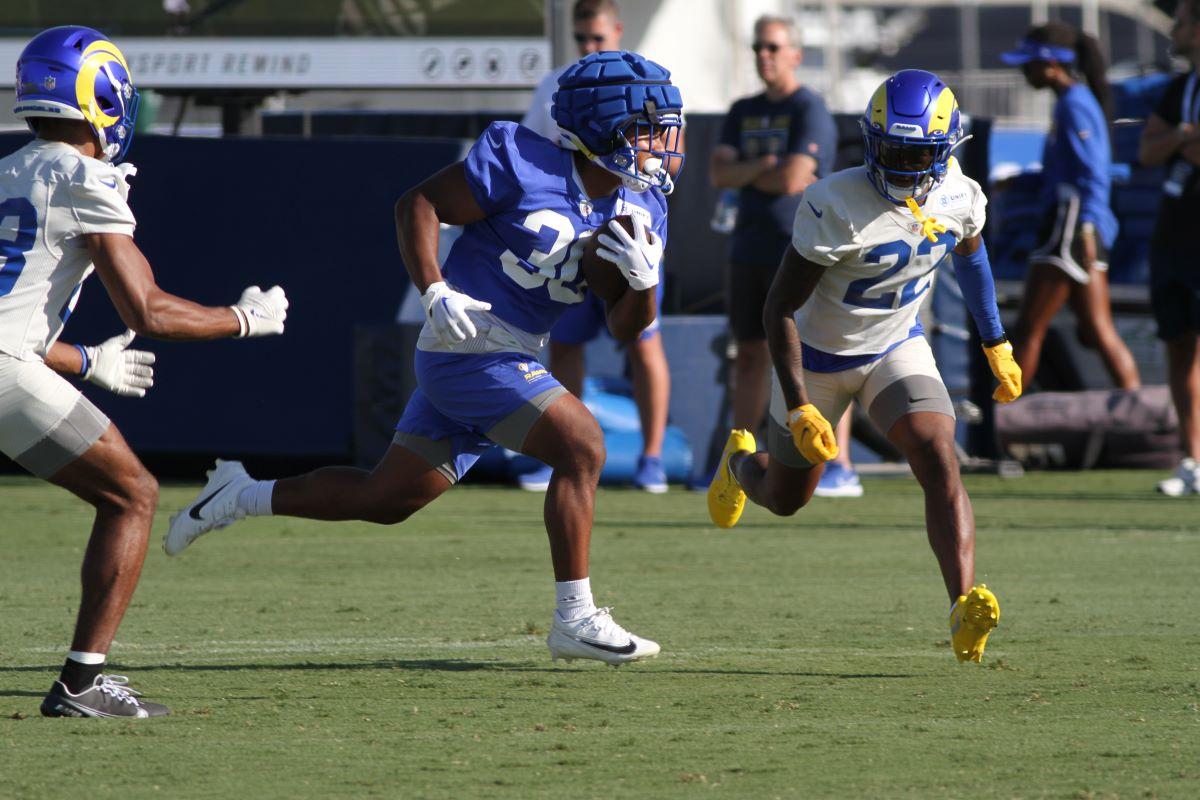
(841, 320)
(63, 213)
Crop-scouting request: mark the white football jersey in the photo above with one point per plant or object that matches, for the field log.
(879, 264)
(50, 195)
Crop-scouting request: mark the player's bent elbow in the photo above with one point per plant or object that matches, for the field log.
(627, 330)
(403, 207)
(774, 310)
(144, 322)
(631, 316)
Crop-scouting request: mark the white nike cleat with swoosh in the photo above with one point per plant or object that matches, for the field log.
(597, 637)
(215, 507)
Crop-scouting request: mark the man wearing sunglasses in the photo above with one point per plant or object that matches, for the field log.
(598, 29)
(772, 146)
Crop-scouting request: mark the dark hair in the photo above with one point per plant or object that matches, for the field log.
(590, 9)
(1088, 59)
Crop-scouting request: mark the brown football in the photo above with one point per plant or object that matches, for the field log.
(603, 277)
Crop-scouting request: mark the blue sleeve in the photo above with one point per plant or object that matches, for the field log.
(814, 133)
(974, 273)
(490, 169)
(1085, 132)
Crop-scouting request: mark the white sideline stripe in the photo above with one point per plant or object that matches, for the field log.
(397, 646)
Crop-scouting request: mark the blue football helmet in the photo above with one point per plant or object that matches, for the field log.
(910, 128)
(613, 105)
(73, 72)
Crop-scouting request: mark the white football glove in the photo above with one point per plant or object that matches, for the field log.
(637, 256)
(112, 365)
(261, 313)
(448, 312)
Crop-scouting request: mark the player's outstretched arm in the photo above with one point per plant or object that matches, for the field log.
(793, 285)
(149, 311)
(111, 365)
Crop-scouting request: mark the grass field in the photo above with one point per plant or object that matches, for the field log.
(802, 657)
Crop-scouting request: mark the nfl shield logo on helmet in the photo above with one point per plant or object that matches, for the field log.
(49, 82)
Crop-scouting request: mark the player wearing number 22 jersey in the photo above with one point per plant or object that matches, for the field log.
(528, 207)
(841, 320)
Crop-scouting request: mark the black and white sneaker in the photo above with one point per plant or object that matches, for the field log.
(597, 637)
(108, 696)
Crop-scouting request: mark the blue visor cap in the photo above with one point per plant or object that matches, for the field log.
(1027, 51)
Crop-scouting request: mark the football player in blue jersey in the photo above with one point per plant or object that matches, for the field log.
(598, 27)
(841, 323)
(529, 207)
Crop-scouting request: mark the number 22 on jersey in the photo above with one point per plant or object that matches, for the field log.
(928, 256)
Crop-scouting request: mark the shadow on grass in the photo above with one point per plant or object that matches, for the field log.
(447, 665)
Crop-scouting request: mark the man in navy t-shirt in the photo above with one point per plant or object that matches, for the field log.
(772, 146)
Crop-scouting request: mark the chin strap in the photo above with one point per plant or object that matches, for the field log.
(930, 227)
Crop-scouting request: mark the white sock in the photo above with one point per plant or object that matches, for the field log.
(255, 499)
(574, 599)
(80, 657)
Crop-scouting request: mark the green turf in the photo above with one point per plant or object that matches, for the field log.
(802, 657)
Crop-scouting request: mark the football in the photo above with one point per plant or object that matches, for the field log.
(602, 276)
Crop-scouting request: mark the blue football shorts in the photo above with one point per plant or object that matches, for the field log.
(466, 403)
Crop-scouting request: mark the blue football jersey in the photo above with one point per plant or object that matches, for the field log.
(523, 258)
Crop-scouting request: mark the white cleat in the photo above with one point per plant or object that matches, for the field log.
(215, 507)
(599, 638)
(1186, 480)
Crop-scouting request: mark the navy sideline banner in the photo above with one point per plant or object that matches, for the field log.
(217, 215)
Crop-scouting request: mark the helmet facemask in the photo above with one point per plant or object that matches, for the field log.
(910, 128)
(621, 111)
(110, 108)
(646, 151)
(906, 166)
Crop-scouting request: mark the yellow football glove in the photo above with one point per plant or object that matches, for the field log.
(1006, 370)
(812, 434)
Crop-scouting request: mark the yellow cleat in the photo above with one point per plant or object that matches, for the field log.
(972, 618)
(725, 496)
